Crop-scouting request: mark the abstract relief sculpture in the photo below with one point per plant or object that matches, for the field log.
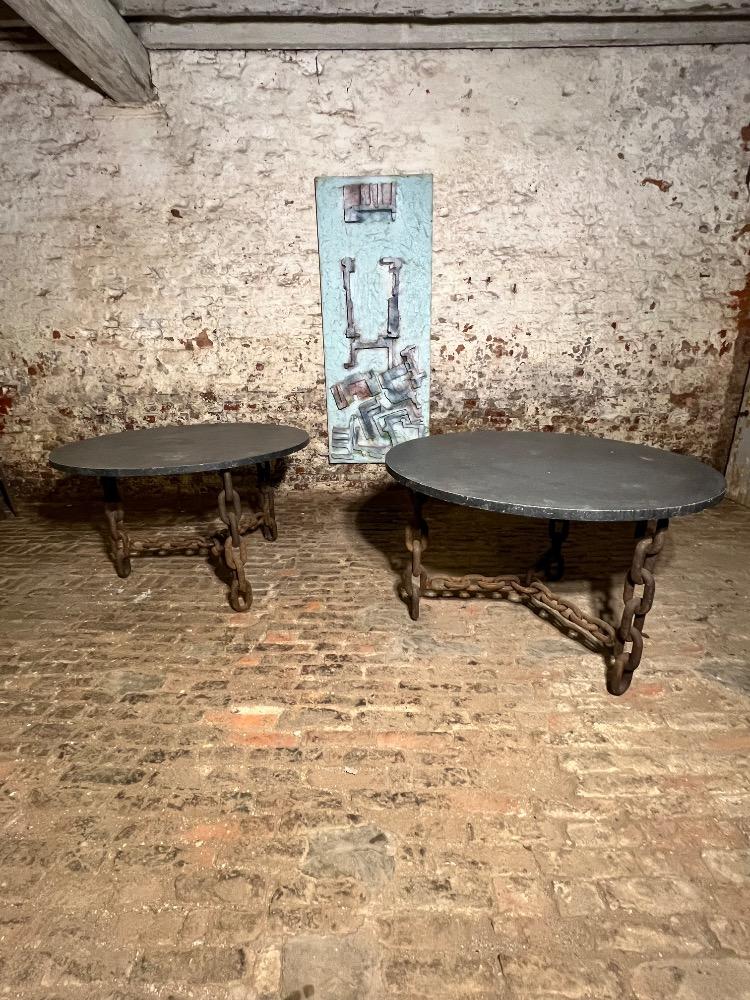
(375, 240)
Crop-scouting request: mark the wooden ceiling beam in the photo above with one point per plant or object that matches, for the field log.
(299, 34)
(96, 39)
(429, 10)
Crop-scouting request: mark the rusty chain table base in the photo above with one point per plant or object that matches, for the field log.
(229, 545)
(622, 645)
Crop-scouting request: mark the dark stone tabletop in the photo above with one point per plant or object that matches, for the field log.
(164, 451)
(561, 476)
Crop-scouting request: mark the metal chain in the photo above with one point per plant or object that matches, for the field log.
(234, 547)
(637, 606)
(190, 544)
(230, 517)
(534, 593)
(195, 545)
(416, 544)
(267, 507)
(119, 540)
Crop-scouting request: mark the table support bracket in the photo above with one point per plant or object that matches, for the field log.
(229, 544)
(119, 541)
(267, 509)
(651, 536)
(234, 547)
(534, 593)
(552, 563)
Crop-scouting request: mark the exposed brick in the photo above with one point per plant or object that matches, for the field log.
(692, 979)
(729, 866)
(250, 660)
(554, 975)
(228, 830)
(341, 968)
(198, 965)
(429, 972)
(670, 937)
(734, 935)
(577, 899)
(154, 334)
(520, 896)
(662, 897)
(361, 852)
(268, 741)
(172, 807)
(247, 720)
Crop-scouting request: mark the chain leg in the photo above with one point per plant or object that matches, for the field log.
(650, 542)
(415, 577)
(552, 562)
(555, 562)
(119, 543)
(234, 546)
(5, 494)
(268, 527)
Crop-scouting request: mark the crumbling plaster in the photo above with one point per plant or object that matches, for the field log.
(160, 264)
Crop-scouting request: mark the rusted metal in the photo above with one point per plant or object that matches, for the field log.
(119, 541)
(234, 548)
(552, 562)
(362, 200)
(228, 544)
(534, 593)
(268, 511)
(5, 494)
(637, 605)
(189, 545)
(416, 542)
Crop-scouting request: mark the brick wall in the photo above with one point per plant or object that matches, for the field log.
(160, 264)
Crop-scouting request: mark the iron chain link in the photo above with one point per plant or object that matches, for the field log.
(535, 593)
(530, 591)
(416, 544)
(231, 516)
(268, 513)
(119, 540)
(637, 606)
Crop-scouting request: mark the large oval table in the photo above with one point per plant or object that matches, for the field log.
(169, 451)
(562, 478)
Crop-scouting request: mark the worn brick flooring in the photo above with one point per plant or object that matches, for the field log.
(322, 799)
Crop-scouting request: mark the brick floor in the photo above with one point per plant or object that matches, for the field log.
(322, 799)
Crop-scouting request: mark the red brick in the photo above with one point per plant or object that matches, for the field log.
(268, 741)
(275, 638)
(245, 720)
(172, 766)
(250, 660)
(223, 831)
(479, 801)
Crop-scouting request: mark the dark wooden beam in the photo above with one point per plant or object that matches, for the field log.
(95, 38)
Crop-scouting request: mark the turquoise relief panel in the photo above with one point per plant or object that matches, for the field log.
(375, 244)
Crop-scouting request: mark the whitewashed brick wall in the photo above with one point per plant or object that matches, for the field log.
(160, 264)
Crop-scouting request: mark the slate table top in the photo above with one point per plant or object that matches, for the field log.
(164, 451)
(561, 476)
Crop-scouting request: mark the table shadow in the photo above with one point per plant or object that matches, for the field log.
(466, 540)
(185, 506)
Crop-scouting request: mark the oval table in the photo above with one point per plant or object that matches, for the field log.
(169, 451)
(562, 478)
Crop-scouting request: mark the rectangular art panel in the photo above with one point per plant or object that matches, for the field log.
(375, 241)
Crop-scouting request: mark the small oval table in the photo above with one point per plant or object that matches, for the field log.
(562, 478)
(169, 451)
